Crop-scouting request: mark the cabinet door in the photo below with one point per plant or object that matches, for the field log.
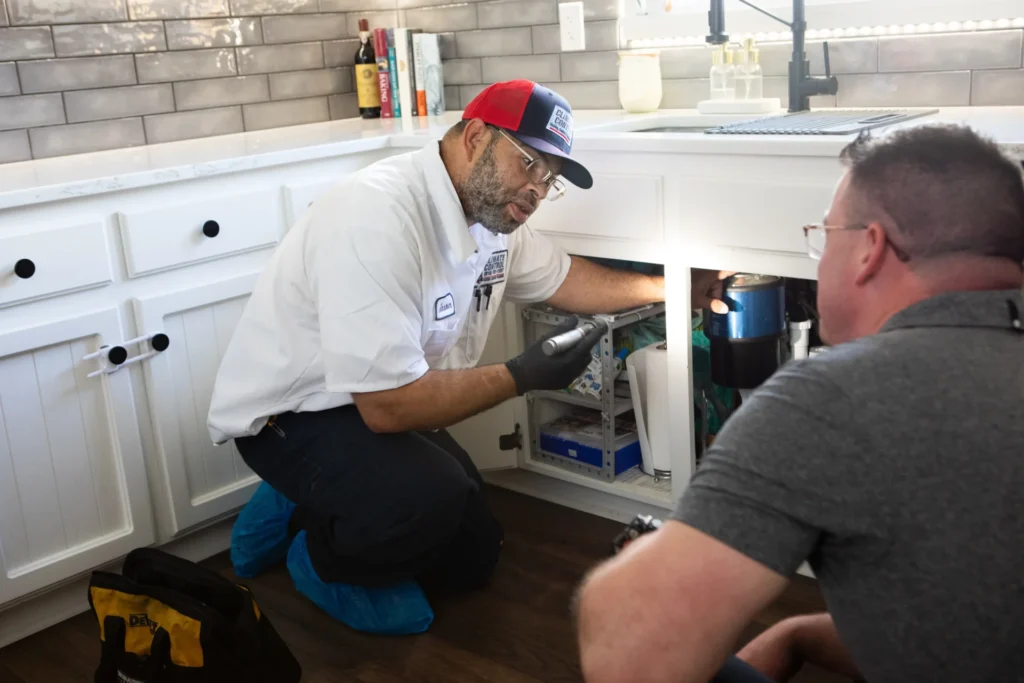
(73, 490)
(204, 481)
(479, 434)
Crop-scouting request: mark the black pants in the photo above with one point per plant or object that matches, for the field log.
(379, 508)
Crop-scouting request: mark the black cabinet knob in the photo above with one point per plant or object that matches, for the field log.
(211, 228)
(24, 269)
(160, 342)
(117, 355)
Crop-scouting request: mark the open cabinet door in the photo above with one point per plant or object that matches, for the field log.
(480, 434)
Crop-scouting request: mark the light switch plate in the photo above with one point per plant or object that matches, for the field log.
(570, 23)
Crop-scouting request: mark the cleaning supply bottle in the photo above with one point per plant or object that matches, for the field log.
(723, 83)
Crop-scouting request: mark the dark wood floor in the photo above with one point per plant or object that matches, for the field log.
(516, 631)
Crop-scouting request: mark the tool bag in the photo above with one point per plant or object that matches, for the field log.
(167, 620)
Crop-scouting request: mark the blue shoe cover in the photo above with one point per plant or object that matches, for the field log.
(259, 538)
(401, 609)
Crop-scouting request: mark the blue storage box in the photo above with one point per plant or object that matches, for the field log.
(577, 438)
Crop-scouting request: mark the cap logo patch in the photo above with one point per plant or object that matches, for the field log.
(560, 124)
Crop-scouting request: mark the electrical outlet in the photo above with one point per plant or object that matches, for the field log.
(570, 23)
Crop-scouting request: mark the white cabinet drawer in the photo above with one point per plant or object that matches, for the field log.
(299, 196)
(619, 206)
(41, 264)
(170, 236)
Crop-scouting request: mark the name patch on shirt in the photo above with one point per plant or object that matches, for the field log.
(560, 124)
(444, 307)
(494, 270)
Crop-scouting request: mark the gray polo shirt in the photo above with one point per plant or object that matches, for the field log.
(894, 464)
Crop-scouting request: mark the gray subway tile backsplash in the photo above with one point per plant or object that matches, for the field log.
(597, 35)
(79, 40)
(592, 95)
(462, 72)
(271, 58)
(221, 92)
(686, 62)
(3, 16)
(298, 84)
(76, 73)
(506, 13)
(847, 56)
(995, 88)
(25, 43)
(199, 33)
(493, 42)
(118, 103)
(31, 110)
(192, 64)
(9, 80)
(439, 19)
(285, 113)
(597, 10)
(302, 27)
(340, 52)
(590, 66)
(387, 19)
(452, 100)
(14, 145)
(246, 8)
(65, 11)
(186, 125)
(948, 89)
(344, 106)
(984, 50)
(177, 9)
(684, 94)
(77, 138)
(533, 67)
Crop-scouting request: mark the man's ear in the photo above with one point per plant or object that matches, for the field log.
(475, 138)
(871, 253)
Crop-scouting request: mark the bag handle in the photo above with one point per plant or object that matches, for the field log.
(157, 665)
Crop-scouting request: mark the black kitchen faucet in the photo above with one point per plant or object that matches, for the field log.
(802, 86)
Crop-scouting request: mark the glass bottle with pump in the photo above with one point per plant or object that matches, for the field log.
(367, 92)
(749, 75)
(723, 78)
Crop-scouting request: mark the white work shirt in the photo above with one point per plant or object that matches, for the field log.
(380, 280)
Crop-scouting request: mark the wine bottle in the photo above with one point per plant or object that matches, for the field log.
(367, 91)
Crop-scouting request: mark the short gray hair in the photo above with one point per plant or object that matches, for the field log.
(946, 189)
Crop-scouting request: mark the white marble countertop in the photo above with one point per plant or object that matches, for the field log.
(46, 180)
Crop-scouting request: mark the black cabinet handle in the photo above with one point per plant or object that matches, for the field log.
(24, 269)
(160, 342)
(117, 355)
(211, 228)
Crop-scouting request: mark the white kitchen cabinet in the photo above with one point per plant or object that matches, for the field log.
(73, 489)
(203, 481)
(298, 196)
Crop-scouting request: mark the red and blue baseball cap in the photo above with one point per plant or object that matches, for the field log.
(534, 115)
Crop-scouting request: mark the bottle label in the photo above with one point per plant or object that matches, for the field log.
(367, 90)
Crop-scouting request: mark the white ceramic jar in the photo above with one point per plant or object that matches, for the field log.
(639, 81)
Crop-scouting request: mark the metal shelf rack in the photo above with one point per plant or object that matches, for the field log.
(610, 405)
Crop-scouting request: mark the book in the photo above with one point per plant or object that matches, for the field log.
(433, 75)
(396, 102)
(417, 111)
(380, 48)
(418, 75)
(403, 61)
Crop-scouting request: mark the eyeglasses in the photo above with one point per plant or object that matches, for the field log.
(537, 171)
(817, 234)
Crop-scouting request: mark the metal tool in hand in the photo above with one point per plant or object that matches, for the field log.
(565, 341)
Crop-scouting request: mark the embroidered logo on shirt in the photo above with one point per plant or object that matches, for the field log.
(444, 307)
(494, 270)
(560, 124)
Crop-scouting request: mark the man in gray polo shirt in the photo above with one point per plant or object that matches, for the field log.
(893, 463)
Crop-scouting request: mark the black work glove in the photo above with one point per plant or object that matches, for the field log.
(533, 370)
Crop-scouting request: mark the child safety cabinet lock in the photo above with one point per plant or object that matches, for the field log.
(113, 358)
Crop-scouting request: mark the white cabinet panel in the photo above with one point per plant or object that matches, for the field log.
(73, 491)
(619, 206)
(299, 196)
(479, 434)
(170, 236)
(204, 480)
(55, 261)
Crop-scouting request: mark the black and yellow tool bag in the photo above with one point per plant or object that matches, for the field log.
(167, 620)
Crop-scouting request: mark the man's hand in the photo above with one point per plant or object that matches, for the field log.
(774, 652)
(782, 650)
(706, 289)
(533, 369)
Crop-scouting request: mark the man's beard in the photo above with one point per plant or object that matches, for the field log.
(485, 197)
